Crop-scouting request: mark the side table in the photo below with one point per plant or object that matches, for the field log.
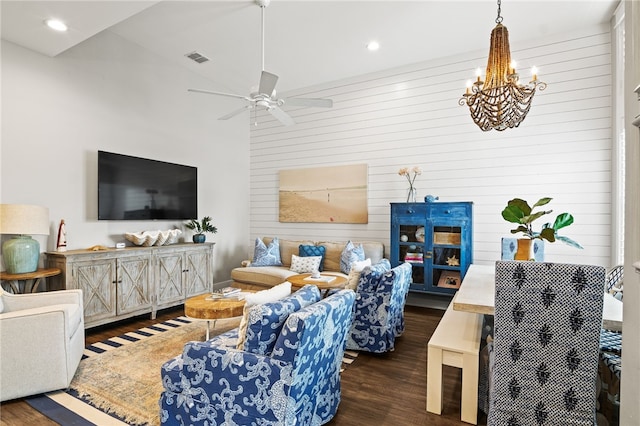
(30, 280)
(300, 280)
(199, 308)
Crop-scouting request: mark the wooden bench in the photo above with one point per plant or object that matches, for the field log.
(456, 343)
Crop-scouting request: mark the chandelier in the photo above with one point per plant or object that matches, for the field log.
(501, 101)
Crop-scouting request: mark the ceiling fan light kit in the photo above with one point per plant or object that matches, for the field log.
(266, 97)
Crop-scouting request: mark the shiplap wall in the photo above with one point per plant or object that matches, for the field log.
(410, 117)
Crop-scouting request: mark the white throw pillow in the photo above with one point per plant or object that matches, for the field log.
(276, 292)
(265, 296)
(354, 273)
(305, 264)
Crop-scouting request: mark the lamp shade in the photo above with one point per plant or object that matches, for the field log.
(24, 219)
(21, 253)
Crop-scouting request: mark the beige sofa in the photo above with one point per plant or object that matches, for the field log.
(261, 277)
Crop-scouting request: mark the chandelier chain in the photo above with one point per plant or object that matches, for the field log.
(499, 18)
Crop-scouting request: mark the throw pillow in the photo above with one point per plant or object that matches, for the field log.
(354, 273)
(302, 265)
(266, 255)
(305, 251)
(265, 296)
(351, 253)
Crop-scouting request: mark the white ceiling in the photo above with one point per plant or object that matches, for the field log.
(307, 42)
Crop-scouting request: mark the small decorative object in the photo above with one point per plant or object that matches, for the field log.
(153, 238)
(420, 234)
(449, 279)
(315, 274)
(404, 238)
(61, 245)
(501, 101)
(518, 211)
(200, 228)
(453, 261)
(411, 191)
(431, 199)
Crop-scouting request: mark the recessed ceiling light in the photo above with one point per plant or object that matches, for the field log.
(55, 24)
(373, 45)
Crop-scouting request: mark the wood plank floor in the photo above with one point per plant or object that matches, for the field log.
(378, 389)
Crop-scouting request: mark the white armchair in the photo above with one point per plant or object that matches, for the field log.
(41, 341)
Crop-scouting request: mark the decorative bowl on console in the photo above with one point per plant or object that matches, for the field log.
(153, 238)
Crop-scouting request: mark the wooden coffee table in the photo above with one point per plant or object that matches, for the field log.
(199, 308)
(324, 287)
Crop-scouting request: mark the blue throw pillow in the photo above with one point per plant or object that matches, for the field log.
(351, 253)
(266, 255)
(306, 251)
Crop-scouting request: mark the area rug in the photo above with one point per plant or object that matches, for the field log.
(107, 390)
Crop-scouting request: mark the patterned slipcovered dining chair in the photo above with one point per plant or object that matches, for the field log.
(546, 344)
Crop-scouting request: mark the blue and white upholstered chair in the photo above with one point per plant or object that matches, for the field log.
(379, 308)
(297, 382)
(546, 343)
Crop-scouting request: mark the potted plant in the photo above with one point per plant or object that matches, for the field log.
(518, 211)
(200, 228)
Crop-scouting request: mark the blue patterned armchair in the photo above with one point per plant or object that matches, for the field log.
(213, 383)
(546, 343)
(379, 308)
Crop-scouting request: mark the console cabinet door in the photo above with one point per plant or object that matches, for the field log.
(134, 285)
(198, 272)
(169, 272)
(97, 280)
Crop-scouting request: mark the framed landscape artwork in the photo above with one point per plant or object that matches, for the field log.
(336, 194)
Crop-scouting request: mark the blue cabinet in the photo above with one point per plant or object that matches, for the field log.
(436, 238)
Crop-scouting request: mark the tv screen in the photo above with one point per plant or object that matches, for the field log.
(132, 188)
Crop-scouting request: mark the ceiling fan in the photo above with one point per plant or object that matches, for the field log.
(266, 97)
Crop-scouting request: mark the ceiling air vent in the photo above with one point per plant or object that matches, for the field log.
(195, 56)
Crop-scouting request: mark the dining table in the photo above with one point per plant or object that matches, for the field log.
(477, 294)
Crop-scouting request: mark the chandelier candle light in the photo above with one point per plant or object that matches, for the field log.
(411, 192)
(500, 101)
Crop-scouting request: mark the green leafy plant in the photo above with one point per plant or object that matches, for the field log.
(201, 227)
(518, 211)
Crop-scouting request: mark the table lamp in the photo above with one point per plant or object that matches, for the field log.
(21, 253)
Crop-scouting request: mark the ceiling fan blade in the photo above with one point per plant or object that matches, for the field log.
(282, 116)
(236, 112)
(310, 102)
(267, 83)
(209, 92)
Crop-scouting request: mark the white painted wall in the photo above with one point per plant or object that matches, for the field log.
(109, 94)
(410, 116)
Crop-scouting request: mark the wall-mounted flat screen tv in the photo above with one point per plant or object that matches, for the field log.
(133, 188)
